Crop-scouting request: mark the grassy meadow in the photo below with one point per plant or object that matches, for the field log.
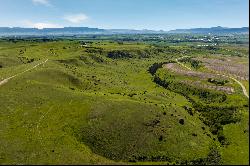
(109, 102)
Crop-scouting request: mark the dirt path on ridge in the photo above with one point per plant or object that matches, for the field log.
(7, 79)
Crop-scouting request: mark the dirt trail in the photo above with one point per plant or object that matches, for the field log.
(242, 86)
(237, 81)
(7, 79)
(177, 60)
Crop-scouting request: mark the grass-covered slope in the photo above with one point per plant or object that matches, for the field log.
(132, 131)
(224, 114)
(84, 106)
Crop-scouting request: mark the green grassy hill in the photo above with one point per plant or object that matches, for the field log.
(89, 105)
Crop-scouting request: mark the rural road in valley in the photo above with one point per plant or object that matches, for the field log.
(238, 82)
(7, 79)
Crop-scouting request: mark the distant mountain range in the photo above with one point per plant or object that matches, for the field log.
(213, 30)
(17, 31)
(6, 31)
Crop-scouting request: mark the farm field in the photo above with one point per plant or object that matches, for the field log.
(95, 101)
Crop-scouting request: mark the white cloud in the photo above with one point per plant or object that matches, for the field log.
(41, 2)
(41, 25)
(76, 18)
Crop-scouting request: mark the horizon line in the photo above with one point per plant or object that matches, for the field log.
(116, 28)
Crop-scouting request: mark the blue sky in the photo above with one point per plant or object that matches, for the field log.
(133, 14)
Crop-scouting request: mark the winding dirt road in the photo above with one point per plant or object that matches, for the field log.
(238, 82)
(7, 79)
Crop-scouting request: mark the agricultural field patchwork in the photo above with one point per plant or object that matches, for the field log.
(95, 101)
